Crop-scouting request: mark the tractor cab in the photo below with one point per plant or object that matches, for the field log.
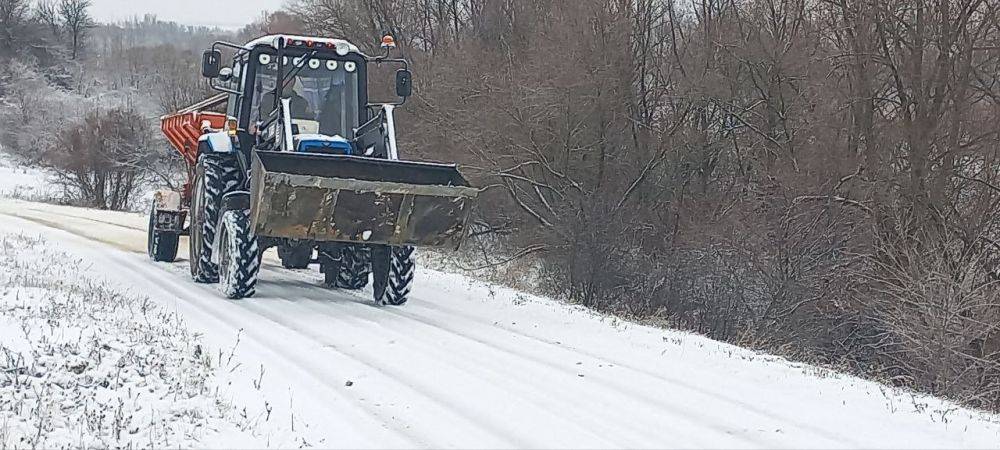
(305, 94)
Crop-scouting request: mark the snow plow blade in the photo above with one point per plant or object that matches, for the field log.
(338, 198)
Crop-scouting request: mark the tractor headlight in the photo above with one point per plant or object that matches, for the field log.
(343, 48)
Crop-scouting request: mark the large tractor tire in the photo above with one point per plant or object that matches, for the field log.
(392, 270)
(239, 256)
(355, 268)
(216, 174)
(161, 246)
(295, 255)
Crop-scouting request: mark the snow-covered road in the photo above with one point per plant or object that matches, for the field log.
(466, 364)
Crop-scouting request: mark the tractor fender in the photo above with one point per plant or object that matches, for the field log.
(217, 142)
(231, 201)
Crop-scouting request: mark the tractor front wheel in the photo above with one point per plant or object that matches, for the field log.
(216, 174)
(239, 256)
(392, 272)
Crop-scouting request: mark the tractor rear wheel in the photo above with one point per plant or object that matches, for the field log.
(330, 264)
(355, 267)
(239, 256)
(392, 269)
(161, 246)
(215, 175)
(295, 255)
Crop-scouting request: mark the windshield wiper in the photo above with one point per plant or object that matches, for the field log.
(296, 68)
(282, 81)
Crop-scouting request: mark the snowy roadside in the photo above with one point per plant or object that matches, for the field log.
(23, 183)
(94, 353)
(85, 365)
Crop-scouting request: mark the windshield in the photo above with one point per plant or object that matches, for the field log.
(323, 94)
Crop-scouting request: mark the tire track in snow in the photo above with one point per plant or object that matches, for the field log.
(831, 438)
(667, 411)
(654, 376)
(89, 219)
(435, 395)
(142, 270)
(480, 336)
(311, 367)
(194, 298)
(502, 378)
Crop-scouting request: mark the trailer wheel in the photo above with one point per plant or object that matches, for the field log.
(215, 175)
(239, 256)
(355, 267)
(161, 246)
(393, 269)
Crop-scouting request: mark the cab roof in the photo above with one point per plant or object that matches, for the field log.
(271, 39)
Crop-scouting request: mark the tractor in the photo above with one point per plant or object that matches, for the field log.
(302, 161)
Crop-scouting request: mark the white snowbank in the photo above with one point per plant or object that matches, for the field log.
(22, 182)
(85, 365)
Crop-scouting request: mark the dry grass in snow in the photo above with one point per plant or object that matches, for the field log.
(84, 365)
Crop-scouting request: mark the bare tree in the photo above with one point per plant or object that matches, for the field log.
(13, 14)
(77, 21)
(47, 13)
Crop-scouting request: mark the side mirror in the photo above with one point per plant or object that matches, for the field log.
(211, 61)
(404, 83)
(225, 73)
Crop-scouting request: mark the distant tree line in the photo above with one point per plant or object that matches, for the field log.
(83, 99)
(818, 178)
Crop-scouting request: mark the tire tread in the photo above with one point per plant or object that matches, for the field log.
(243, 256)
(221, 176)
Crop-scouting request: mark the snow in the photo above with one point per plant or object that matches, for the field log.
(469, 364)
(82, 365)
(21, 182)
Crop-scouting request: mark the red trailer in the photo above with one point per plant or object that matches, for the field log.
(169, 211)
(185, 127)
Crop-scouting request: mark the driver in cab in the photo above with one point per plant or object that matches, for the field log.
(300, 108)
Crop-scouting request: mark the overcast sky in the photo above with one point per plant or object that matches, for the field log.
(221, 13)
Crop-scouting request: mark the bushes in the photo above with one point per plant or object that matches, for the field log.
(934, 303)
(105, 159)
(100, 155)
(91, 119)
(814, 179)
